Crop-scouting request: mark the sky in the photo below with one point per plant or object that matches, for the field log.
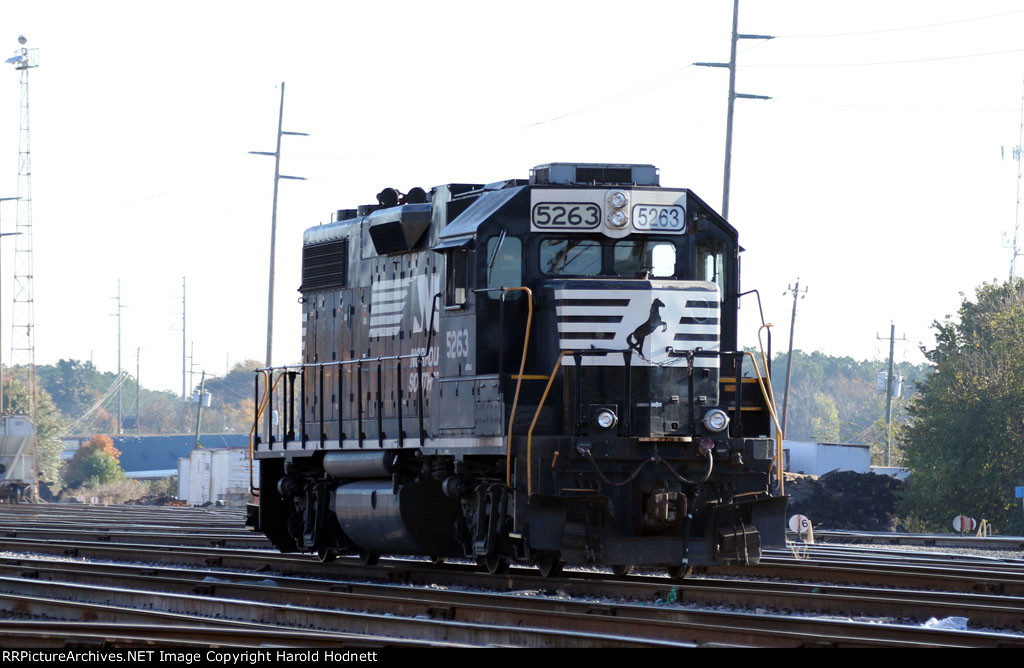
(880, 173)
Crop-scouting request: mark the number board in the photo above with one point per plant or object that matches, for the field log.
(587, 210)
(657, 217)
(566, 216)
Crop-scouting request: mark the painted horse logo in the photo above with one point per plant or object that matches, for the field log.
(654, 321)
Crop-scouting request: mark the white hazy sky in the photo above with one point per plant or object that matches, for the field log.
(874, 173)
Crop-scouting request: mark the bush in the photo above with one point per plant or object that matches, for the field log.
(112, 492)
(96, 467)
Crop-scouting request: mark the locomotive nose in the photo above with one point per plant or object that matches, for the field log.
(646, 351)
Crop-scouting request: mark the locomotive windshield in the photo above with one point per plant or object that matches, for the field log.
(645, 258)
(572, 257)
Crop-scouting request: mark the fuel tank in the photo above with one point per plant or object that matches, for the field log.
(417, 519)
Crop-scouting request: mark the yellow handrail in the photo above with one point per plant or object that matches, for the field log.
(519, 379)
(764, 357)
(770, 403)
(268, 393)
(536, 416)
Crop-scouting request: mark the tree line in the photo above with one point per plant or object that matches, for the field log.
(837, 400)
(75, 398)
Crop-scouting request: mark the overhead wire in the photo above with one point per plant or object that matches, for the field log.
(923, 26)
(908, 61)
(114, 386)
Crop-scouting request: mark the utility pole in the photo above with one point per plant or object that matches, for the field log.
(120, 412)
(1015, 245)
(192, 364)
(731, 65)
(138, 392)
(889, 392)
(789, 358)
(184, 397)
(199, 406)
(273, 219)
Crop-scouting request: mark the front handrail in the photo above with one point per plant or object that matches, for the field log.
(536, 416)
(519, 378)
(777, 464)
(268, 393)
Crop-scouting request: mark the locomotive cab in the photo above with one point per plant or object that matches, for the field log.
(542, 370)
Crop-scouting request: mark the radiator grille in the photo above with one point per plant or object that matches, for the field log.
(325, 265)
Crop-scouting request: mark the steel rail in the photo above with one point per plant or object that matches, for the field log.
(776, 564)
(119, 603)
(36, 634)
(140, 537)
(695, 591)
(597, 626)
(982, 610)
(928, 540)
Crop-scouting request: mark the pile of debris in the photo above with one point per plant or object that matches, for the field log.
(157, 500)
(845, 500)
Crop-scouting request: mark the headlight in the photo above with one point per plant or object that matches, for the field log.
(605, 418)
(617, 199)
(716, 420)
(617, 219)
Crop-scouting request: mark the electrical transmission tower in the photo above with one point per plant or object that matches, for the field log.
(23, 352)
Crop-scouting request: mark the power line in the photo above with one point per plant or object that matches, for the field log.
(891, 62)
(904, 28)
(871, 107)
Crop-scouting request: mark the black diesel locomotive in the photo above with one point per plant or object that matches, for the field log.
(539, 370)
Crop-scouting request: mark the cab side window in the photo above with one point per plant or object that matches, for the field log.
(710, 265)
(504, 264)
(456, 284)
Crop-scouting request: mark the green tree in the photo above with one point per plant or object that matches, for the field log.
(96, 468)
(95, 463)
(965, 444)
(835, 398)
(74, 385)
(825, 420)
(232, 402)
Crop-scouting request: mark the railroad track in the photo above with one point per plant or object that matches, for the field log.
(523, 617)
(421, 603)
(927, 540)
